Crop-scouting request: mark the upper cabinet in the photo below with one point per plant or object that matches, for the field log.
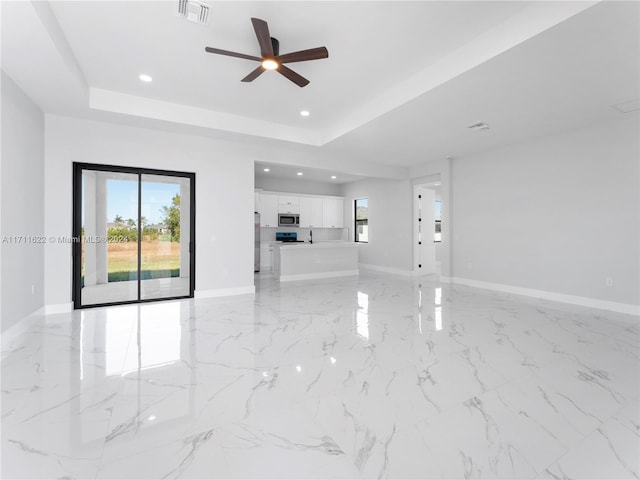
(311, 212)
(315, 211)
(332, 212)
(268, 210)
(288, 204)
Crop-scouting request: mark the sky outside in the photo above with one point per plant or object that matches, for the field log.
(122, 199)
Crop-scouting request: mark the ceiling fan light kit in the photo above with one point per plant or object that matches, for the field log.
(270, 64)
(270, 55)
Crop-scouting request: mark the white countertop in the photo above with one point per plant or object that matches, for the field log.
(307, 245)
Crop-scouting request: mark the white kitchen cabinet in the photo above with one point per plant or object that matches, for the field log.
(266, 257)
(332, 212)
(311, 212)
(297, 261)
(288, 204)
(268, 210)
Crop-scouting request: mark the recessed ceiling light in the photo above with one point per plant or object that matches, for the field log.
(267, 169)
(305, 113)
(333, 177)
(145, 78)
(270, 64)
(300, 173)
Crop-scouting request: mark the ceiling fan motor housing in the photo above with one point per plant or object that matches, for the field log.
(276, 46)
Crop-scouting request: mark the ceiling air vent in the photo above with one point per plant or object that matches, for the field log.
(194, 11)
(628, 107)
(478, 126)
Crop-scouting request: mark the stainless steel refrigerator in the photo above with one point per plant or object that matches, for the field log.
(256, 261)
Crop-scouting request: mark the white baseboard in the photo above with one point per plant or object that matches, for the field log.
(12, 333)
(395, 271)
(224, 292)
(553, 296)
(58, 308)
(315, 276)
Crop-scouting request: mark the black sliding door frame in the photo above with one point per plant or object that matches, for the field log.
(76, 250)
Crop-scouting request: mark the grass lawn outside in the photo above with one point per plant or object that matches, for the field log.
(160, 259)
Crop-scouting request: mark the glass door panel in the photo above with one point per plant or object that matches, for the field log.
(165, 241)
(109, 237)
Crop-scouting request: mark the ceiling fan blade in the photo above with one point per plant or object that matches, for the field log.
(264, 38)
(304, 55)
(232, 54)
(254, 74)
(293, 76)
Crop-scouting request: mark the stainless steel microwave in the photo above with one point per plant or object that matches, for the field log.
(288, 220)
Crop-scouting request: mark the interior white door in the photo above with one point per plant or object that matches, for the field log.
(424, 213)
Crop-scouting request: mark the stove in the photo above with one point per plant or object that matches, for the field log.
(288, 237)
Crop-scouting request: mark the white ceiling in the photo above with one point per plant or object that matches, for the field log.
(308, 173)
(149, 37)
(402, 82)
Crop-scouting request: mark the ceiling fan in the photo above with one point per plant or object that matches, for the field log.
(271, 58)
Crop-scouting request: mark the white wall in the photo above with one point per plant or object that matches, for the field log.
(556, 214)
(224, 197)
(22, 198)
(275, 184)
(390, 222)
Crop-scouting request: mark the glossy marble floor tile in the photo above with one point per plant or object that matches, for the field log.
(372, 377)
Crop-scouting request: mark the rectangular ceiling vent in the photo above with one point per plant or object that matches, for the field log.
(628, 107)
(194, 11)
(478, 126)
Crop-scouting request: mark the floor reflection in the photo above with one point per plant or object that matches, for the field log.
(437, 311)
(362, 315)
(132, 338)
(438, 308)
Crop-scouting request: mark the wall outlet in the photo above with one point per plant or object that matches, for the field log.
(608, 281)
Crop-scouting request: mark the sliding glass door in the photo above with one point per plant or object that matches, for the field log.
(164, 251)
(135, 235)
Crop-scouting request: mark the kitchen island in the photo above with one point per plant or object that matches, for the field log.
(306, 261)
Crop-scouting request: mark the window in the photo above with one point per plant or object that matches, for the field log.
(362, 220)
(438, 216)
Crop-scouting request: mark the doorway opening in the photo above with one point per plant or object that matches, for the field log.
(134, 235)
(427, 231)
